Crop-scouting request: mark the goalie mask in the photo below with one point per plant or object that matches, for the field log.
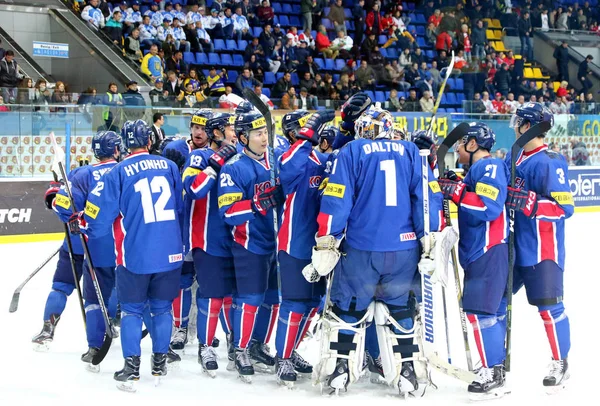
(375, 123)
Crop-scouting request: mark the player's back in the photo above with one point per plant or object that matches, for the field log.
(143, 193)
(381, 181)
(181, 145)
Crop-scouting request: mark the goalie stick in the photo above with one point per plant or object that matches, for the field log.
(14, 303)
(108, 335)
(533, 132)
(455, 135)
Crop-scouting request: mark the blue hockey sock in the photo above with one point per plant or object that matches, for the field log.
(266, 317)
(94, 325)
(245, 308)
(557, 328)
(147, 317)
(289, 325)
(112, 304)
(131, 328)
(489, 334)
(225, 316)
(371, 344)
(183, 302)
(208, 318)
(162, 321)
(309, 315)
(57, 299)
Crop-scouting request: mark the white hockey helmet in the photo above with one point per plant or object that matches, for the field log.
(375, 123)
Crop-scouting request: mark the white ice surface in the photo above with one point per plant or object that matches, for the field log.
(59, 378)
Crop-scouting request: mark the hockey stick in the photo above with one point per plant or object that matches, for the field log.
(14, 303)
(72, 261)
(108, 336)
(455, 135)
(529, 135)
(441, 93)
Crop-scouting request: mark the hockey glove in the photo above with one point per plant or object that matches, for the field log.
(50, 194)
(452, 176)
(453, 190)
(315, 124)
(219, 158)
(424, 142)
(522, 200)
(269, 198)
(176, 157)
(352, 110)
(325, 254)
(77, 223)
(310, 274)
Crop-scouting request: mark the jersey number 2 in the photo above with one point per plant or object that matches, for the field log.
(389, 170)
(155, 211)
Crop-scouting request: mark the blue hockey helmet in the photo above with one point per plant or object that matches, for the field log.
(328, 134)
(135, 134)
(482, 134)
(291, 124)
(244, 107)
(246, 122)
(218, 122)
(200, 117)
(104, 143)
(532, 113)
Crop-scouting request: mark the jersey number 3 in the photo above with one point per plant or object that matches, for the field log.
(155, 211)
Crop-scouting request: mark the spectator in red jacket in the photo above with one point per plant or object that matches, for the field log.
(373, 21)
(498, 103)
(265, 13)
(436, 18)
(324, 45)
(387, 23)
(443, 42)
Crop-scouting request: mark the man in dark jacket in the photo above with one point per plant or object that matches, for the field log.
(358, 15)
(132, 97)
(9, 77)
(282, 86)
(478, 39)
(561, 54)
(583, 72)
(525, 33)
(502, 80)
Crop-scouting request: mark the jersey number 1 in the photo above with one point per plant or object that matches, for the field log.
(389, 170)
(155, 211)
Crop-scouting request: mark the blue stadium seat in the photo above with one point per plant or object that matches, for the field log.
(231, 45)
(460, 110)
(219, 44)
(450, 110)
(384, 52)
(460, 84)
(279, 75)
(336, 78)
(266, 91)
(295, 21)
(287, 9)
(269, 78)
(231, 76)
(227, 60)
(276, 8)
(444, 99)
(327, 23)
(214, 59)
(320, 63)
(421, 42)
(460, 98)
(326, 11)
(411, 28)
(296, 9)
(430, 54)
(392, 53)
(442, 110)
(387, 95)
(257, 31)
(284, 21)
(188, 57)
(420, 30)
(380, 97)
(451, 85)
(370, 94)
(382, 39)
(238, 60)
(350, 25)
(201, 59)
(329, 64)
(295, 79)
(451, 99)
(205, 72)
(348, 13)
(420, 19)
(242, 44)
(339, 64)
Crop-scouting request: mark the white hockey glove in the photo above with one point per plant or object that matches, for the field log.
(310, 274)
(435, 262)
(325, 254)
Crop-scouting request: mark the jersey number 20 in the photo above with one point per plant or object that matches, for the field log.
(155, 211)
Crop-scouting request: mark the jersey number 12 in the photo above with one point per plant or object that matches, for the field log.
(155, 211)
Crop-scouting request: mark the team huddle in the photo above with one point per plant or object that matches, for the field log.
(346, 223)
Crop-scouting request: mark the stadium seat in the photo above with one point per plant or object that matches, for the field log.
(238, 60)
(451, 99)
(227, 60)
(257, 31)
(330, 65)
(348, 13)
(451, 84)
(205, 72)
(370, 94)
(460, 98)
(231, 76)
(295, 21)
(296, 9)
(392, 53)
(420, 19)
(421, 42)
(295, 79)
(339, 64)
(188, 57)
(242, 44)
(279, 75)
(384, 52)
(287, 9)
(266, 91)
(380, 97)
(528, 73)
(219, 44)
(231, 45)
(201, 59)
(327, 23)
(420, 30)
(320, 63)
(284, 21)
(382, 39)
(450, 110)
(277, 8)
(430, 54)
(269, 78)
(214, 59)
(460, 84)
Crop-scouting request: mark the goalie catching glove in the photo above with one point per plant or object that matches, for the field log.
(325, 255)
(434, 262)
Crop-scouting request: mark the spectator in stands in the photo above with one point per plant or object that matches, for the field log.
(132, 46)
(442, 60)
(449, 24)
(465, 41)
(562, 22)
(431, 34)
(227, 22)
(368, 45)
(412, 102)
(406, 58)
(165, 29)
(358, 15)
(241, 28)
(343, 86)
(60, 95)
(479, 40)
(317, 12)
(559, 106)
(510, 105)
(306, 8)
(158, 95)
(245, 80)
(343, 44)
(498, 103)
(365, 76)
(278, 34)
(114, 27)
(309, 82)
(501, 153)
(3, 107)
(435, 18)
(254, 48)
(168, 46)
(436, 75)
(545, 21)
(579, 155)
(443, 42)
(266, 39)
(282, 86)
(25, 91)
(216, 81)
(393, 102)
(88, 97)
(324, 85)
(42, 94)
(307, 101)
(9, 76)
(502, 80)
(213, 25)
(92, 15)
(337, 17)
(289, 101)
(525, 33)
(173, 85)
(112, 96)
(176, 64)
(132, 97)
(147, 33)
(179, 35)
(302, 52)
(583, 72)
(324, 45)
(562, 90)
(411, 75)
(426, 102)
(485, 99)
(204, 40)
(152, 64)
(373, 21)
(308, 66)
(263, 97)
(265, 13)
(477, 105)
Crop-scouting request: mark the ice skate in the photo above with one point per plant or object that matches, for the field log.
(130, 374)
(159, 367)
(261, 357)
(41, 342)
(286, 374)
(490, 384)
(243, 365)
(179, 339)
(375, 369)
(230, 353)
(207, 357)
(557, 377)
(173, 360)
(408, 380)
(88, 357)
(301, 366)
(340, 378)
(215, 342)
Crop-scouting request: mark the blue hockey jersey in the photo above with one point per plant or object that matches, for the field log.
(181, 145)
(281, 145)
(84, 180)
(543, 237)
(140, 201)
(61, 197)
(375, 193)
(240, 179)
(203, 227)
(301, 171)
(482, 218)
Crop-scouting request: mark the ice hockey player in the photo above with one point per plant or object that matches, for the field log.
(542, 200)
(247, 198)
(63, 283)
(380, 255)
(301, 171)
(483, 251)
(328, 136)
(291, 123)
(85, 180)
(140, 204)
(207, 235)
(178, 151)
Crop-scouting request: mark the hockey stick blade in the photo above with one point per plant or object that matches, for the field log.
(447, 369)
(14, 303)
(104, 349)
(455, 135)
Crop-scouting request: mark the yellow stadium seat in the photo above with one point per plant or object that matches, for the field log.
(538, 84)
(518, 57)
(496, 23)
(498, 34)
(555, 86)
(499, 46)
(528, 73)
(489, 34)
(537, 72)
